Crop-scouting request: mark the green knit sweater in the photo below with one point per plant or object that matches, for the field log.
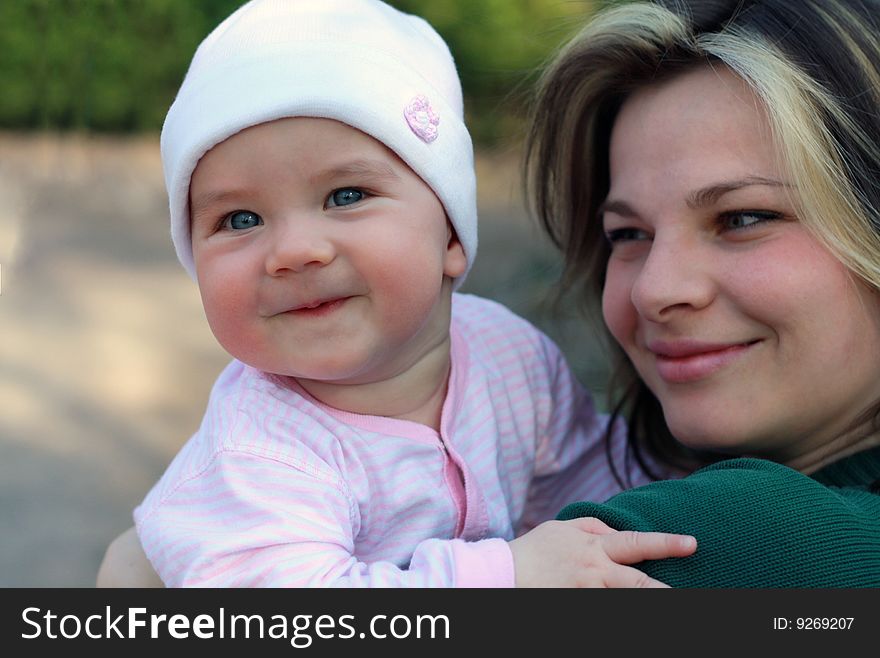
(759, 524)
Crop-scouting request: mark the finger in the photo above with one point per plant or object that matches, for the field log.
(628, 547)
(628, 577)
(592, 525)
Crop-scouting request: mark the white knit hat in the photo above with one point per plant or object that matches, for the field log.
(361, 62)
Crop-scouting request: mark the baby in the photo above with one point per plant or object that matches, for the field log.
(375, 428)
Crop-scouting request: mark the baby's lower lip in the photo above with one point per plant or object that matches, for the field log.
(692, 368)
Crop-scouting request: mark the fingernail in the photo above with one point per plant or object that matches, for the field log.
(688, 542)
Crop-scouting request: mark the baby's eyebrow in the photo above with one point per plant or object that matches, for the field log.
(213, 196)
(375, 170)
(198, 205)
(366, 170)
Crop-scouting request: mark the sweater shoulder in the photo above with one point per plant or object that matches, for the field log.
(757, 524)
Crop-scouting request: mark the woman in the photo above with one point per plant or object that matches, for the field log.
(712, 171)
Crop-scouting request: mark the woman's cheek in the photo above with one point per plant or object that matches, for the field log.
(617, 308)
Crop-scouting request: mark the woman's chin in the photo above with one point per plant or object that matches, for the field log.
(710, 436)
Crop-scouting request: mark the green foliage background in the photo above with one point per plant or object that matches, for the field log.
(115, 65)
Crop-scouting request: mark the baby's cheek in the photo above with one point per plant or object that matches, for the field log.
(228, 313)
(410, 300)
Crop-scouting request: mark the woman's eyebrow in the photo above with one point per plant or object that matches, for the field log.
(618, 207)
(710, 194)
(701, 198)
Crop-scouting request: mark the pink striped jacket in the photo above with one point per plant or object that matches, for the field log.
(277, 489)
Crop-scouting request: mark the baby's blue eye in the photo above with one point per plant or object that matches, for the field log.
(242, 219)
(344, 197)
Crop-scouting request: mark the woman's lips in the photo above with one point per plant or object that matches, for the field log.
(679, 363)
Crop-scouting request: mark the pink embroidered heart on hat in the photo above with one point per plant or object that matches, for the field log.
(422, 119)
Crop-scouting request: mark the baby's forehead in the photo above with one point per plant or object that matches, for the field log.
(323, 144)
(307, 129)
(318, 152)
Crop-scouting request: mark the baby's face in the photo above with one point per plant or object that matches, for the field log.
(319, 253)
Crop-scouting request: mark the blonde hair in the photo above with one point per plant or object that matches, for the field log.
(814, 64)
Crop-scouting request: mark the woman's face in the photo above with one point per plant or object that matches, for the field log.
(753, 336)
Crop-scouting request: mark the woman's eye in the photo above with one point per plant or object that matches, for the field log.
(344, 197)
(744, 219)
(241, 220)
(618, 235)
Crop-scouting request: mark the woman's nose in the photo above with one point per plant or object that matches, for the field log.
(298, 244)
(674, 276)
